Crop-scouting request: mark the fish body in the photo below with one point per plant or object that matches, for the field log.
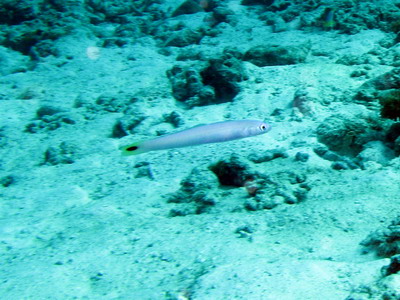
(328, 19)
(202, 134)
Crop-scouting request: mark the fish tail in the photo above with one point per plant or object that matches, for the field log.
(132, 149)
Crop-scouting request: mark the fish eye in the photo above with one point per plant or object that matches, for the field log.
(263, 127)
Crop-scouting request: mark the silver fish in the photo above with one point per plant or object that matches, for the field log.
(202, 134)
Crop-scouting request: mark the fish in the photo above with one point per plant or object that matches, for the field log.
(328, 18)
(202, 134)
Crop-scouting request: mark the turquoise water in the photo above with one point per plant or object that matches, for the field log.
(301, 203)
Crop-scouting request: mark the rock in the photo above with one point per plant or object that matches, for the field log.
(196, 195)
(223, 75)
(376, 151)
(384, 242)
(12, 62)
(346, 134)
(390, 104)
(215, 83)
(65, 153)
(393, 267)
(187, 7)
(273, 55)
(384, 89)
(232, 172)
(185, 37)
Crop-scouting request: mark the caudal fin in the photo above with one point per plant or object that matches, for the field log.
(132, 149)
